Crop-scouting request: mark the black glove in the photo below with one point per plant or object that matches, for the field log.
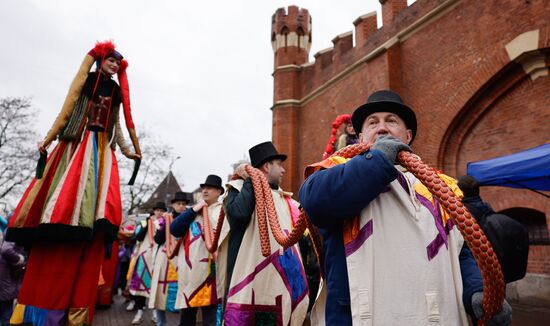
(390, 146)
(503, 318)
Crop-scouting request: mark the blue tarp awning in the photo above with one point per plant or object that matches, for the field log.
(528, 169)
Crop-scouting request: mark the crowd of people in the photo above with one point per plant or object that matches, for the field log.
(390, 253)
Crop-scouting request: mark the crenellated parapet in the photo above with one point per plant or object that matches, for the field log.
(291, 35)
(291, 40)
(297, 81)
(365, 27)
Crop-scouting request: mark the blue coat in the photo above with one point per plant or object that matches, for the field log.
(330, 197)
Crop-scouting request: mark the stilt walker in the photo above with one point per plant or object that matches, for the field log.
(73, 207)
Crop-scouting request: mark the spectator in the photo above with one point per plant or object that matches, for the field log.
(12, 266)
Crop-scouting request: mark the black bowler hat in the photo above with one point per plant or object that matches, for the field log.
(384, 101)
(264, 152)
(180, 196)
(160, 205)
(213, 181)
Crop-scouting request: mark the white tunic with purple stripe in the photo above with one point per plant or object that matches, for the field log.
(269, 290)
(402, 258)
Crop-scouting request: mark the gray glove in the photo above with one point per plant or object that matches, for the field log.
(390, 146)
(503, 318)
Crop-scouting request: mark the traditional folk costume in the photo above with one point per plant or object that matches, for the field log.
(196, 265)
(269, 290)
(140, 272)
(164, 286)
(377, 247)
(77, 199)
(392, 254)
(107, 276)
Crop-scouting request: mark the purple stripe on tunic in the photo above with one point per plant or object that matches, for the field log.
(243, 314)
(403, 182)
(436, 213)
(434, 246)
(442, 236)
(363, 235)
(239, 286)
(449, 226)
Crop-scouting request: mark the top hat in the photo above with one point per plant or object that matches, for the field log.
(264, 152)
(213, 181)
(180, 196)
(384, 101)
(160, 205)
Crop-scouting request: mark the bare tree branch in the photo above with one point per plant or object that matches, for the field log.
(18, 154)
(154, 166)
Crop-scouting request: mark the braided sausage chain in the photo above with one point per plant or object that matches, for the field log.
(265, 209)
(211, 237)
(172, 247)
(491, 272)
(150, 233)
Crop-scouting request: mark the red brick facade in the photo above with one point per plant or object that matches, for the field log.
(538, 260)
(475, 72)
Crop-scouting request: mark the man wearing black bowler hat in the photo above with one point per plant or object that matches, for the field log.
(196, 265)
(261, 290)
(392, 254)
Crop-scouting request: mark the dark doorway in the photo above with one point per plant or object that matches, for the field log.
(534, 221)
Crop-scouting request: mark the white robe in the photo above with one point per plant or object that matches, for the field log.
(272, 287)
(399, 274)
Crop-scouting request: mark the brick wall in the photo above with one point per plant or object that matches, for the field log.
(452, 62)
(446, 67)
(538, 260)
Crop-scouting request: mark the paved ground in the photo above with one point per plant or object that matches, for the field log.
(118, 316)
(530, 316)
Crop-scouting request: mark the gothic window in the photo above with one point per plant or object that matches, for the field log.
(284, 32)
(300, 32)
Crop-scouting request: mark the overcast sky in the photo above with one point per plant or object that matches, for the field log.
(200, 72)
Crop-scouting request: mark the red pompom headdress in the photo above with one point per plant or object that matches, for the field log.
(341, 119)
(100, 52)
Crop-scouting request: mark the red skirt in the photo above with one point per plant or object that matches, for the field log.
(60, 285)
(79, 192)
(107, 279)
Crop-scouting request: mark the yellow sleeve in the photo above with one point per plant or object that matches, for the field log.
(70, 100)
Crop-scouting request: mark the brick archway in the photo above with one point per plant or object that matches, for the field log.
(489, 103)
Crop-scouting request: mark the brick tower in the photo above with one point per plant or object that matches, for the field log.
(291, 41)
